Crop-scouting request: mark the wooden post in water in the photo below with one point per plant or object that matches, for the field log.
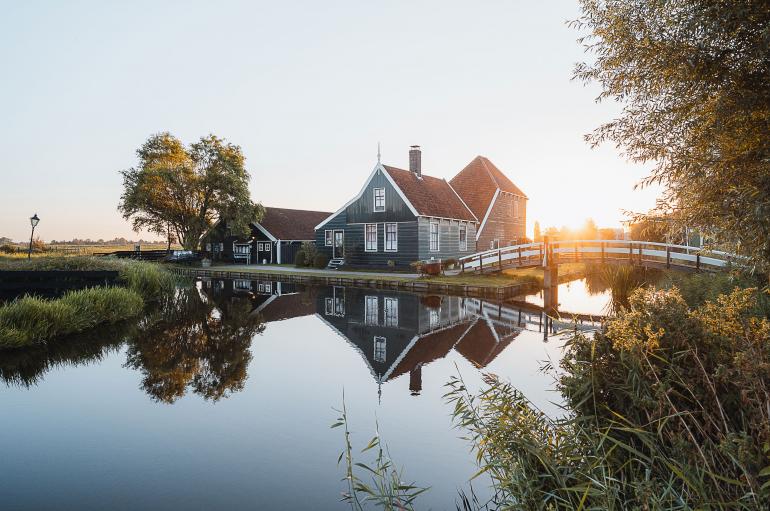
(550, 279)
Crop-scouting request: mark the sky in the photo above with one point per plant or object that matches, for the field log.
(307, 90)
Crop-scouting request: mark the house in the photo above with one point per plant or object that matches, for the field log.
(500, 205)
(399, 216)
(273, 240)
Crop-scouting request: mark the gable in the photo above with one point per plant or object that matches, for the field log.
(397, 208)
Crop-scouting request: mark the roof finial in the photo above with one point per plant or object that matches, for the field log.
(378, 152)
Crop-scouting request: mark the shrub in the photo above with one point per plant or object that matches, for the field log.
(320, 261)
(29, 319)
(310, 251)
(669, 409)
(299, 259)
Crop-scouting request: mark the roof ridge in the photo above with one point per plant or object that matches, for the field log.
(484, 160)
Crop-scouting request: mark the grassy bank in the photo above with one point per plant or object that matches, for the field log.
(30, 320)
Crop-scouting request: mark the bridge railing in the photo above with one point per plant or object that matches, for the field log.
(532, 254)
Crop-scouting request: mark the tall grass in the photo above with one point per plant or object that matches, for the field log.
(668, 409)
(29, 319)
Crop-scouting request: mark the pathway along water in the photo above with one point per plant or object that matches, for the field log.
(223, 398)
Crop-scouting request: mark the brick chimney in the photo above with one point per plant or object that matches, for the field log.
(415, 160)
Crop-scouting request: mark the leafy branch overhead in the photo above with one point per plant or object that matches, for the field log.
(694, 79)
(182, 191)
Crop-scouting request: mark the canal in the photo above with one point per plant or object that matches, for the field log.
(223, 397)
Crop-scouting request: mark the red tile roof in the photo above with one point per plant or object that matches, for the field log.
(292, 224)
(430, 196)
(478, 182)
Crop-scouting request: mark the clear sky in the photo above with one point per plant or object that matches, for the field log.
(307, 89)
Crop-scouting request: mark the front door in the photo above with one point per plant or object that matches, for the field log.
(339, 245)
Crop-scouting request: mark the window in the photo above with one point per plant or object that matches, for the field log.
(435, 318)
(391, 237)
(260, 246)
(379, 199)
(242, 284)
(329, 238)
(329, 306)
(463, 237)
(268, 247)
(515, 207)
(434, 244)
(390, 312)
(379, 349)
(208, 247)
(371, 312)
(494, 244)
(370, 234)
(241, 249)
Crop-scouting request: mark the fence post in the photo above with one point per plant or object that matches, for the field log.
(697, 262)
(630, 252)
(519, 256)
(640, 254)
(603, 251)
(500, 258)
(668, 257)
(481, 264)
(463, 267)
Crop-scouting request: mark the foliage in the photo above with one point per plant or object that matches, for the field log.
(649, 229)
(29, 319)
(320, 260)
(698, 288)
(694, 77)
(668, 409)
(181, 191)
(387, 489)
(299, 259)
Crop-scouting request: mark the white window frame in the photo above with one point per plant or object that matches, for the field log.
(390, 312)
(462, 236)
(438, 236)
(434, 318)
(372, 310)
(268, 247)
(394, 242)
(328, 238)
(366, 238)
(494, 244)
(329, 306)
(380, 351)
(374, 195)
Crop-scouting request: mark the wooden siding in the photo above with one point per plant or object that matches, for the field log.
(338, 223)
(502, 224)
(356, 255)
(396, 209)
(449, 239)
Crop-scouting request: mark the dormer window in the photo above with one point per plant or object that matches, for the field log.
(379, 199)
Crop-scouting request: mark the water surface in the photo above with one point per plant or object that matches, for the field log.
(222, 398)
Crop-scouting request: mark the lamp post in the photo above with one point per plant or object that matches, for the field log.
(34, 221)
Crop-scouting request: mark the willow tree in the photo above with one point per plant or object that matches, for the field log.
(693, 77)
(182, 191)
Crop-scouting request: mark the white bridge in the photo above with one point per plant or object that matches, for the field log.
(553, 253)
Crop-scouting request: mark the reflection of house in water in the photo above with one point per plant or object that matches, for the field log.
(398, 333)
(273, 301)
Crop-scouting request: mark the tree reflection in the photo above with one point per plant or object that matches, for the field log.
(192, 342)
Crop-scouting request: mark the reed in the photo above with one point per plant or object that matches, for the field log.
(667, 409)
(30, 320)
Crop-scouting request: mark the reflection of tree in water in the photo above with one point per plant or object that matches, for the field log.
(620, 279)
(191, 342)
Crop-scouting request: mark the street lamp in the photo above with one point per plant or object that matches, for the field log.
(34, 221)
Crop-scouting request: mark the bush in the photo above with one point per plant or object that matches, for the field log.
(299, 259)
(29, 320)
(320, 261)
(669, 409)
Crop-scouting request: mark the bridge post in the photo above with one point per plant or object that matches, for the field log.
(603, 243)
(481, 264)
(550, 279)
(697, 262)
(519, 256)
(500, 258)
(668, 257)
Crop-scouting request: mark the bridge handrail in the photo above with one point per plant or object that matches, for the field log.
(562, 247)
(503, 250)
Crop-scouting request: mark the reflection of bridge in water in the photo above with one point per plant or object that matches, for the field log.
(398, 333)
